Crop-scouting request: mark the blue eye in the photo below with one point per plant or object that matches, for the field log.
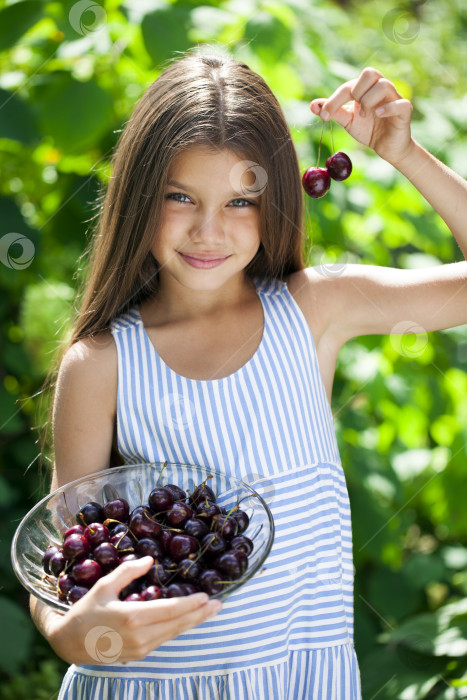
(174, 195)
(242, 200)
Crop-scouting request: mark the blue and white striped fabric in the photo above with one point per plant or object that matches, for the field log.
(287, 634)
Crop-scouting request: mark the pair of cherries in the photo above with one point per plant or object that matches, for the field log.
(317, 181)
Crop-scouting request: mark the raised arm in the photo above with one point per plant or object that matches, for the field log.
(368, 299)
(379, 118)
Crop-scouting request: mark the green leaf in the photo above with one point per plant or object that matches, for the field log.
(440, 633)
(17, 120)
(422, 569)
(391, 595)
(76, 114)
(271, 39)
(16, 19)
(165, 31)
(17, 636)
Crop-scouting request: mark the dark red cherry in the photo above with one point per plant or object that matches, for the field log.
(86, 572)
(116, 528)
(339, 166)
(149, 546)
(106, 555)
(180, 546)
(76, 547)
(65, 583)
(76, 593)
(131, 556)
(47, 556)
(57, 563)
(212, 543)
(196, 528)
(124, 544)
(151, 593)
(90, 513)
(74, 530)
(243, 543)
(157, 575)
(233, 563)
(316, 182)
(176, 589)
(96, 533)
(226, 526)
(177, 493)
(242, 520)
(202, 492)
(169, 564)
(209, 581)
(160, 499)
(207, 511)
(134, 597)
(118, 509)
(178, 514)
(189, 569)
(164, 538)
(143, 524)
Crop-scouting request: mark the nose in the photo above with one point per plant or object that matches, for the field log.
(208, 227)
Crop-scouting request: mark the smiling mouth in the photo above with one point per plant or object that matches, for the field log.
(204, 259)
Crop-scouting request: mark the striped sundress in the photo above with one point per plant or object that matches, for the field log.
(287, 633)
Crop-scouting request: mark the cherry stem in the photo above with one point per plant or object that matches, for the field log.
(160, 473)
(332, 140)
(320, 139)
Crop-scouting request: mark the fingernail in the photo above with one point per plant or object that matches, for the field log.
(379, 110)
(324, 115)
(215, 606)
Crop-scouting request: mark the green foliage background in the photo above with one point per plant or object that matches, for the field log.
(69, 78)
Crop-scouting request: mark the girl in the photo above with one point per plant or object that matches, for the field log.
(203, 338)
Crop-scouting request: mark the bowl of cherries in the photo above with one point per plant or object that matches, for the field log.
(206, 531)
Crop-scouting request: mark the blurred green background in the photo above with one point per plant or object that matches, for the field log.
(70, 74)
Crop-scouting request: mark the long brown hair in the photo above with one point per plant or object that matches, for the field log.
(200, 99)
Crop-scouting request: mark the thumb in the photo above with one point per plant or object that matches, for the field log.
(124, 574)
(342, 116)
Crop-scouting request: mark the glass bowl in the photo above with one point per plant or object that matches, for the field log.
(47, 521)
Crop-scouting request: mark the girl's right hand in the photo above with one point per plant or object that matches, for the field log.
(137, 627)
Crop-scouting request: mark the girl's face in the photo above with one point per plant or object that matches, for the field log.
(211, 208)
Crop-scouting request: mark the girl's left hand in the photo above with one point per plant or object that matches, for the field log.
(388, 132)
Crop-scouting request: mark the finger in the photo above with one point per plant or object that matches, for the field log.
(382, 91)
(343, 114)
(162, 610)
(367, 78)
(328, 108)
(397, 108)
(109, 586)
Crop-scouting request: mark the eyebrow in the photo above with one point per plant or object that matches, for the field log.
(175, 183)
